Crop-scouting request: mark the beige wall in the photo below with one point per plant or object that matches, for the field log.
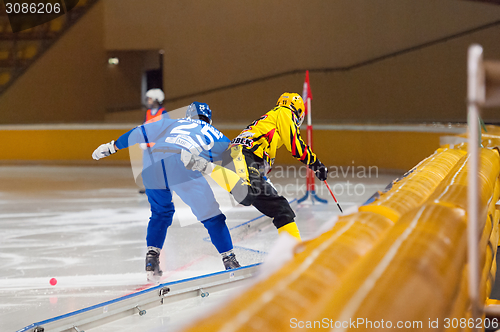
(67, 83)
(421, 86)
(123, 81)
(209, 44)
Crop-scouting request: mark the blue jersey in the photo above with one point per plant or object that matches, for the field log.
(170, 136)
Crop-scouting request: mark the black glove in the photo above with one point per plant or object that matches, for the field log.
(320, 170)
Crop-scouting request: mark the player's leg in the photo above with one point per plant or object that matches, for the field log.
(233, 175)
(243, 164)
(195, 191)
(221, 239)
(270, 203)
(240, 175)
(162, 211)
(262, 194)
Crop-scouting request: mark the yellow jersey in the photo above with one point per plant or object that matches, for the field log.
(267, 134)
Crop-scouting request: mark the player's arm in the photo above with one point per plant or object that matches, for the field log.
(142, 134)
(290, 134)
(107, 149)
(218, 148)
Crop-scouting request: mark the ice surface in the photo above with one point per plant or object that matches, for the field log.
(86, 227)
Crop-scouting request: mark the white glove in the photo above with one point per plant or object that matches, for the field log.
(193, 162)
(143, 146)
(104, 150)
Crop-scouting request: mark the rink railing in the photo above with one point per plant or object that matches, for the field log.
(402, 257)
(389, 147)
(140, 302)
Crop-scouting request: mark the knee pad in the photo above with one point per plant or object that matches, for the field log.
(285, 216)
(163, 214)
(159, 222)
(162, 208)
(219, 220)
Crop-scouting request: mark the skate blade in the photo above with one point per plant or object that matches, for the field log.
(155, 279)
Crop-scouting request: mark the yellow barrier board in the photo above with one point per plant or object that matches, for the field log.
(401, 258)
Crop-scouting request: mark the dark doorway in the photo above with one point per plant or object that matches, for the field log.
(154, 79)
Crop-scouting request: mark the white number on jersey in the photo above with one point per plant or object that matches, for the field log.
(207, 131)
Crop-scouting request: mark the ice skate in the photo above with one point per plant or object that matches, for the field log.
(230, 262)
(153, 271)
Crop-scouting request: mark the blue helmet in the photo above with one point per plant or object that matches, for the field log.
(196, 109)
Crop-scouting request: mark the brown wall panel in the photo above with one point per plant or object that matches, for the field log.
(123, 81)
(210, 44)
(66, 84)
(219, 43)
(426, 85)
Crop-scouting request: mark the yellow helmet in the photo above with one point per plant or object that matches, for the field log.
(294, 102)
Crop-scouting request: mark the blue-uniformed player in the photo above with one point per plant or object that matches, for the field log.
(164, 171)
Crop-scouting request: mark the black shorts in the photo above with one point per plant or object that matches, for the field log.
(261, 194)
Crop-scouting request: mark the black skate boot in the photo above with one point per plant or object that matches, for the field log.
(230, 262)
(153, 271)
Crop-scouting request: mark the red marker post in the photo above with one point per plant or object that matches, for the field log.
(310, 185)
(331, 192)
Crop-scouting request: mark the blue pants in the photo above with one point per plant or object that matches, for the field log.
(193, 189)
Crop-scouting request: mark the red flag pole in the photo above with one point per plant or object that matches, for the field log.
(310, 174)
(307, 91)
(310, 177)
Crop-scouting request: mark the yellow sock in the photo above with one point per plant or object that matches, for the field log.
(291, 229)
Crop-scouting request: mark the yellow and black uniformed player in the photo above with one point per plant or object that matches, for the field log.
(251, 154)
(277, 127)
